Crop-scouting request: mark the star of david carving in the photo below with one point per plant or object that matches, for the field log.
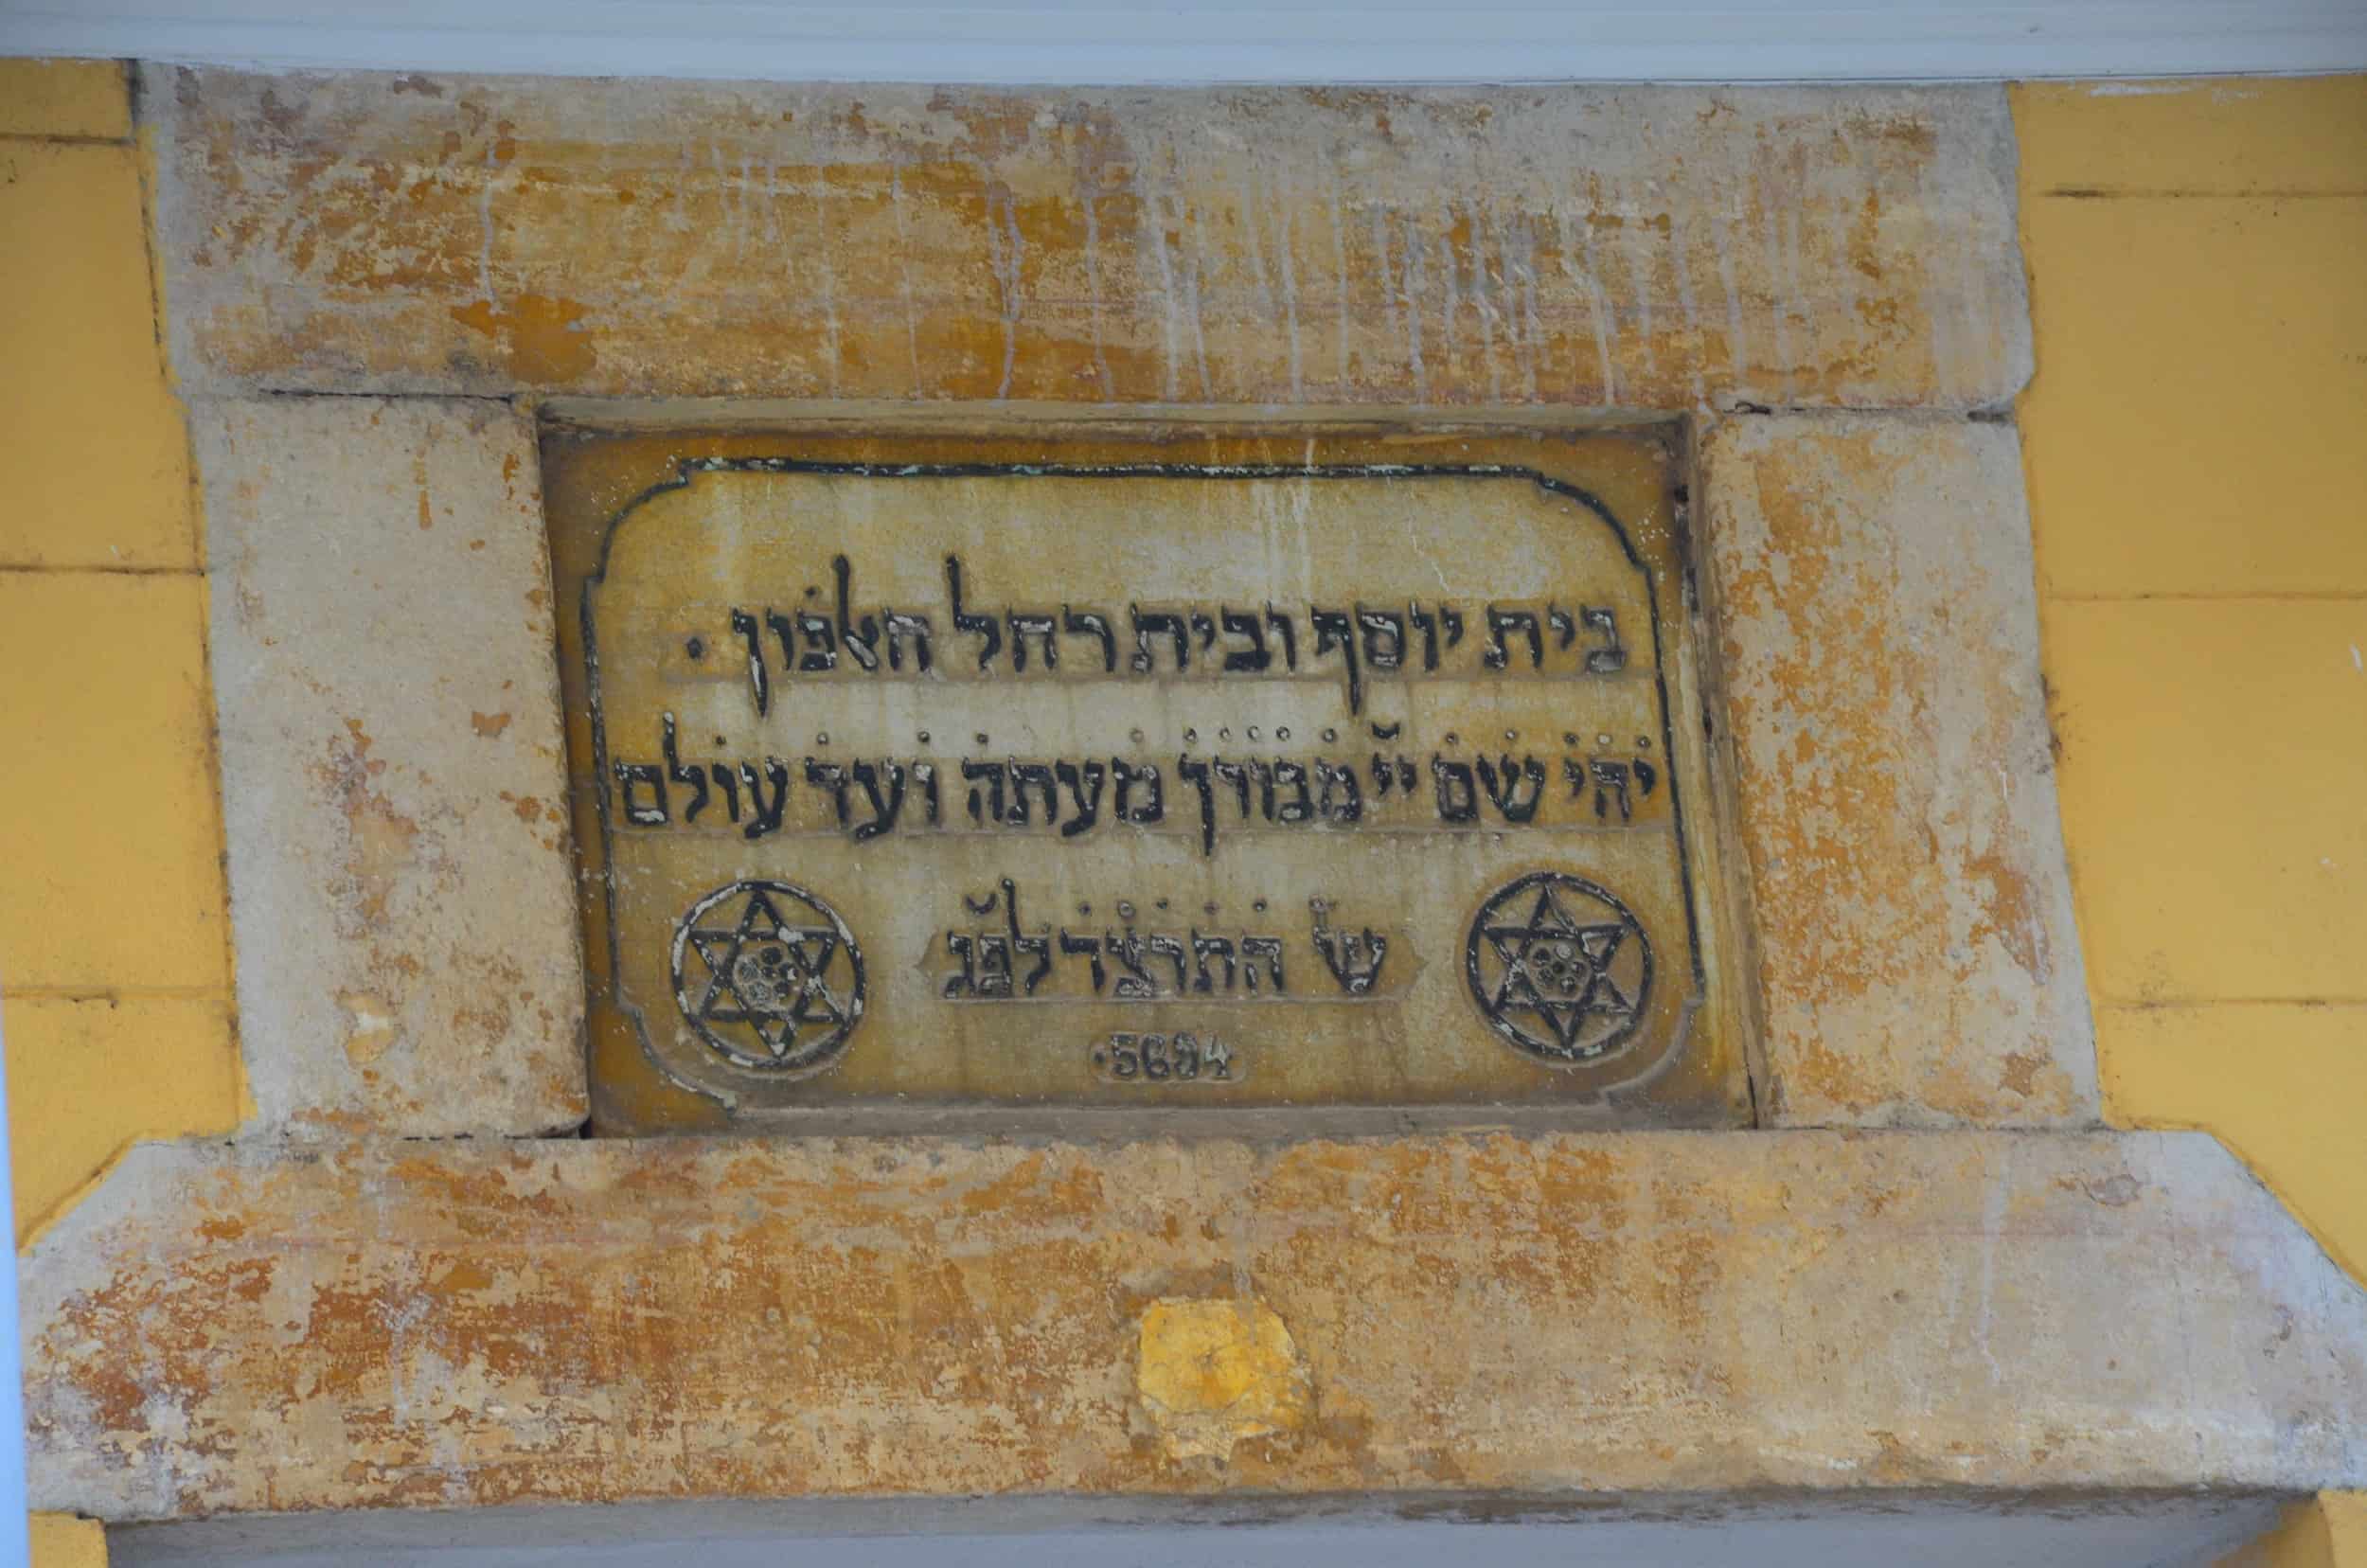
(779, 991)
(1557, 992)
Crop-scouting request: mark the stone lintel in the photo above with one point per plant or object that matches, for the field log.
(1561, 247)
(397, 1324)
(1877, 608)
(393, 783)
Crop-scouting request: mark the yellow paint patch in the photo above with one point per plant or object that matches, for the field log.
(64, 98)
(2211, 757)
(1213, 1372)
(64, 1541)
(90, 435)
(112, 840)
(87, 1079)
(2193, 428)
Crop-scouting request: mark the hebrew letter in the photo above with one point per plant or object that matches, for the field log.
(883, 811)
(1565, 630)
(992, 773)
(965, 983)
(1127, 950)
(1384, 638)
(1340, 797)
(859, 638)
(1611, 786)
(786, 630)
(1089, 948)
(1149, 810)
(1024, 626)
(925, 775)
(675, 772)
(899, 627)
(1268, 947)
(983, 626)
(821, 643)
(1036, 773)
(728, 782)
(654, 813)
(1427, 624)
(994, 965)
(1501, 621)
(830, 776)
(1205, 948)
(1088, 804)
(1196, 775)
(1503, 787)
(1161, 622)
(1610, 658)
(1334, 629)
(1292, 775)
(1244, 624)
(1457, 800)
(1344, 954)
(1172, 948)
(765, 818)
(758, 681)
(1040, 947)
(1239, 776)
(1086, 623)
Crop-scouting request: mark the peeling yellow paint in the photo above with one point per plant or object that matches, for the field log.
(1213, 1372)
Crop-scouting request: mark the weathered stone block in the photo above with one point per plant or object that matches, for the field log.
(1918, 963)
(400, 891)
(1643, 248)
(391, 1324)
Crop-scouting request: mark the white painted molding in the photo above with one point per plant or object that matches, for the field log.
(1217, 41)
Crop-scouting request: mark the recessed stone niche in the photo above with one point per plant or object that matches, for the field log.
(1657, 1097)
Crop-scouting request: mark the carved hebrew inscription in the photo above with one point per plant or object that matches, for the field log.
(1173, 782)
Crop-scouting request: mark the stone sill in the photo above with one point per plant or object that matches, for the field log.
(1556, 1316)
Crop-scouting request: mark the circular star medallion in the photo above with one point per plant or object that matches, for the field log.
(1558, 966)
(768, 975)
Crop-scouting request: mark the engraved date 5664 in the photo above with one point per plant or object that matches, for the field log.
(1128, 1057)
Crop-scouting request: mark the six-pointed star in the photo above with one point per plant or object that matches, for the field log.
(794, 991)
(1577, 961)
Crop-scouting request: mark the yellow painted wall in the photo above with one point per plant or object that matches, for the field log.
(115, 977)
(2198, 475)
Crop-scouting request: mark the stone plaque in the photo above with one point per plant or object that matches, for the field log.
(1199, 770)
